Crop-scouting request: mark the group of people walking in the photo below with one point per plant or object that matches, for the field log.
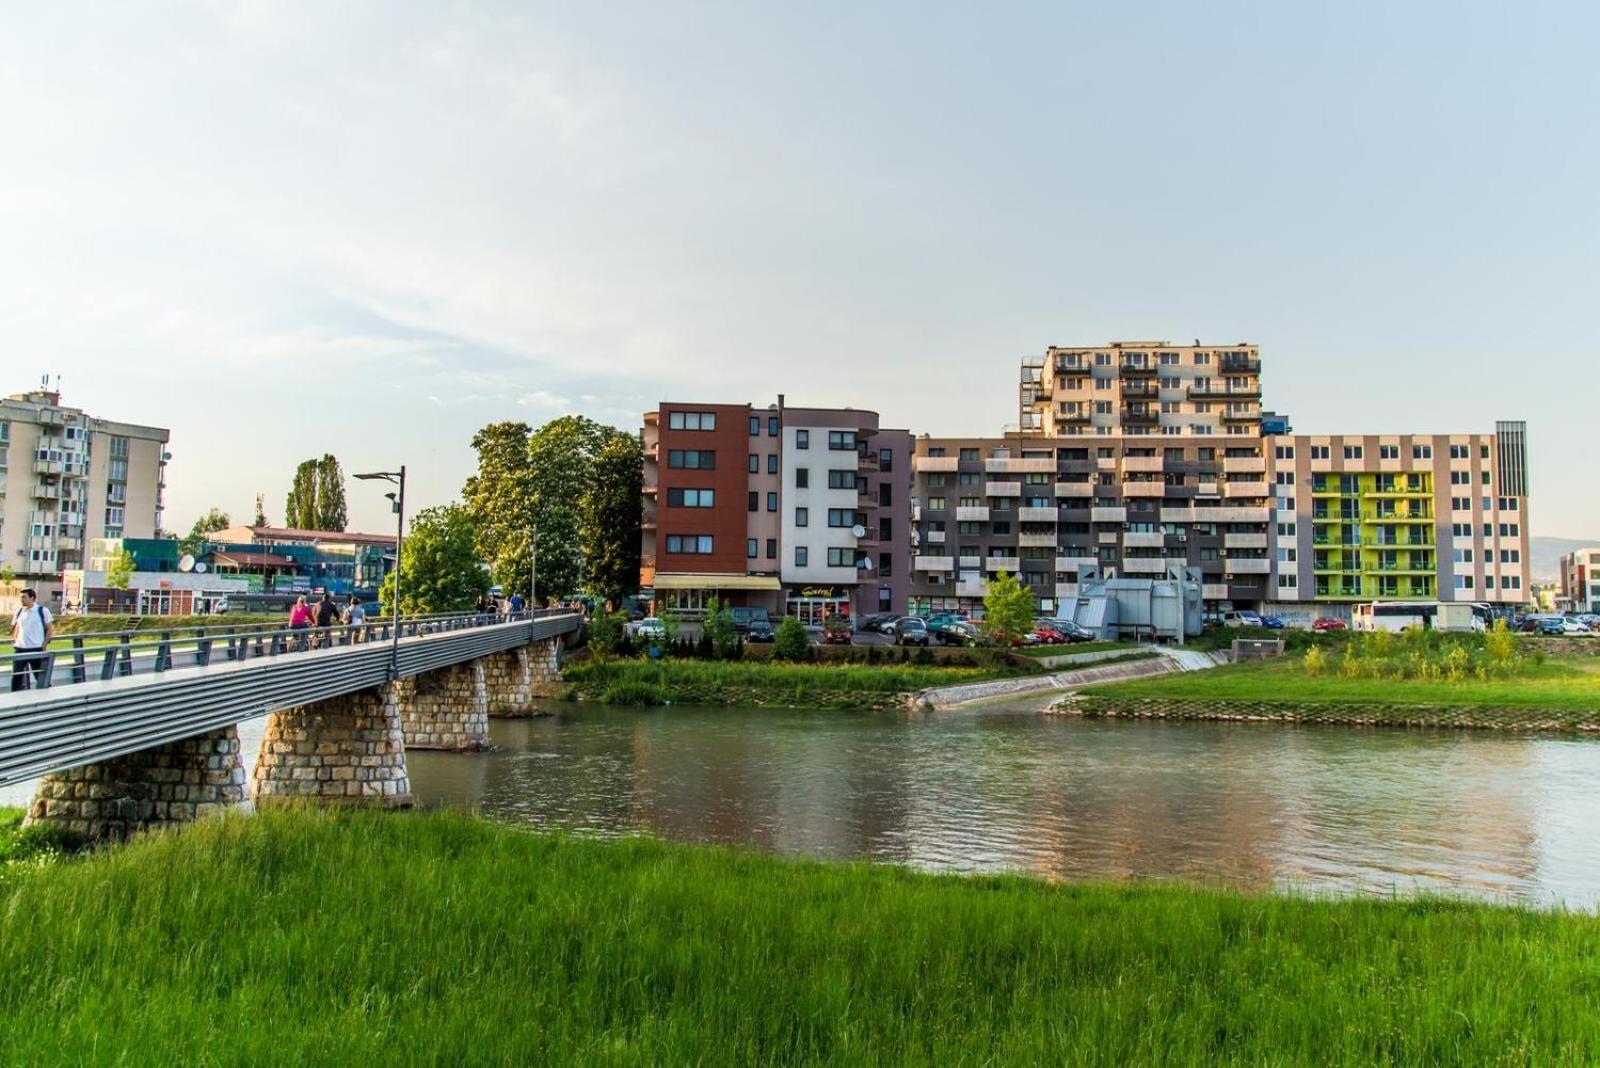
(323, 615)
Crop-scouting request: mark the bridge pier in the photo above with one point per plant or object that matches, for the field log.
(515, 678)
(162, 786)
(344, 750)
(446, 708)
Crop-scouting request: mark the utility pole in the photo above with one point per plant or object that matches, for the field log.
(533, 568)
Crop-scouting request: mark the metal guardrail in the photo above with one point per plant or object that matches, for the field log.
(65, 726)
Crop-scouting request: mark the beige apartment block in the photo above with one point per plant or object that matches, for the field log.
(1142, 388)
(67, 478)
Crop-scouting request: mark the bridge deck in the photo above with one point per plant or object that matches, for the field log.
(50, 729)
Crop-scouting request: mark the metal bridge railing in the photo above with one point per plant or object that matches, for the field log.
(117, 654)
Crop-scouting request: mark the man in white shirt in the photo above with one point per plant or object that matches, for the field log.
(31, 631)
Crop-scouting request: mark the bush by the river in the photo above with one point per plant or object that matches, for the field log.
(357, 937)
(791, 642)
(1427, 655)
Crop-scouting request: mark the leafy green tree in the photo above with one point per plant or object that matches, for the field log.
(300, 508)
(1007, 609)
(611, 517)
(605, 631)
(718, 626)
(119, 570)
(440, 570)
(791, 642)
(213, 521)
(499, 498)
(331, 511)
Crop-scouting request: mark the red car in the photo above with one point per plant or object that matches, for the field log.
(1049, 636)
(1328, 624)
(836, 631)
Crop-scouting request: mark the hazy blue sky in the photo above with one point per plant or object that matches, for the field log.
(369, 228)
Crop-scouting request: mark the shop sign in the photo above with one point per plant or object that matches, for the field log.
(822, 591)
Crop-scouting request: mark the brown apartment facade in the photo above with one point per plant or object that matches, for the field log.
(798, 511)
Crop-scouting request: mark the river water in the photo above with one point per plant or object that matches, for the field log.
(1499, 816)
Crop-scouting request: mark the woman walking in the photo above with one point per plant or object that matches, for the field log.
(300, 620)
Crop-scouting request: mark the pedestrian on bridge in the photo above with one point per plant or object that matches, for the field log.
(516, 604)
(32, 627)
(300, 618)
(355, 617)
(327, 615)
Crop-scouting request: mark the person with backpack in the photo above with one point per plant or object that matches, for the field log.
(355, 617)
(32, 627)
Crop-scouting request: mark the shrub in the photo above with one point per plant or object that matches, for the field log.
(791, 642)
(1315, 662)
(633, 692)
(605, 631)
(924, 656)
(1499, 644)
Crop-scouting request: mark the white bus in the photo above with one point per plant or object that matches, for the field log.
(1436, 615)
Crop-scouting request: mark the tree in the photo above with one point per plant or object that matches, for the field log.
(316, 498)
(119, 571)
(611, 517)
(440, 570)
(718, 626)
(331, 512)
(1007, 610)
(791, 641)
(499, 498)
(209, 523)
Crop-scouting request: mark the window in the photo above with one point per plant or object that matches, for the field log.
(755, 426)
(772, 501)
(841, 557)
(841, 479)
(772, 426)
(1461, 556)
(772, 548)
(802, 439)
(1284, 452)
(841, 517)
(936, 504)
(689, 544)
(1319, 452)
(885, 494)
(801, 556)
(692, 421)
(802, 517)
(1484, 449)
(1288, 582)
(1286, 555)
(1461, 504)
(1284, 478)
(969, 455)
(755, 464)
(1422, 452)
(690, 498)
(1459, 452)
(1388, 452)
(885, 528)
(750, 548)
(1461, 530)
(772, 463)
(1352, 452)
(1460, 478)
(885, 459)
(841, 439)
(1485, 477)
(1463, 582)
(1286, 530)
(755, 501)
(802, 477)
(885, 565)
(692, 459)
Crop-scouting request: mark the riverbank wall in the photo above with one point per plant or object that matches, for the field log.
(1345, 714)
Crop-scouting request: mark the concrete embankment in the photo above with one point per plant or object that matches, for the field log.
(1163, 662)
(1333, 713)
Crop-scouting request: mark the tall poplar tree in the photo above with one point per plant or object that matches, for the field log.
(331, 512)
(611, 517)
(300, 509)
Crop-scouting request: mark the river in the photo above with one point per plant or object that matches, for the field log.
(1351, 811)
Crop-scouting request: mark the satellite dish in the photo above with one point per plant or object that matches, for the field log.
(859, 531)
(200, 569)
(187, 563)
(865, 564)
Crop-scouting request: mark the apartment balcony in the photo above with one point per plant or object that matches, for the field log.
(1019, 465)
(1143, 464)
(932, 563)
(1239, 365)
(1177, 515)
(1140, 389)
(1244, 465)
(1066, 591)
(1138, 371)
(934, 463)
(1144, 489)
(1065, 564)
(1131, 417)
(971, 563)
(970, 514)
(972, 588)
(1152, 539)
(1249, 414)
(1002, 489)
(45, 491)
(934, 537)
(1233, 515)
(1037, 541)
(1072, 362)
(1068, 514)
(1144, 565)
(1245, 565)
(1074, 420)
(1035, 514)
(1205, 489)
(1222, 391)
(68, 542)
(1214, 591)
(1244, 489)
(1244, 541)
(647, 521)
(1108, 515)
(1003, 563)
(650, 490)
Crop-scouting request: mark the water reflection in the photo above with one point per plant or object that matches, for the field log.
(1251, 806)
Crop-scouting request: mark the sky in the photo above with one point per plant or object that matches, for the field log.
(371, 228)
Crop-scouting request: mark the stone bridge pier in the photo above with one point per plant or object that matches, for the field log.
(348, 749)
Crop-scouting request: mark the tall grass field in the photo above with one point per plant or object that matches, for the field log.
(319, 937)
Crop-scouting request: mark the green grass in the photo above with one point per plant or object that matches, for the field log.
(307, 937)
(1069, 650)
(1555, 685)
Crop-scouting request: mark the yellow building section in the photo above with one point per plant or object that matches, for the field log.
(1373, 536)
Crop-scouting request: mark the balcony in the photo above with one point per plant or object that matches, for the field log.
(932, 563)
(1108, 514)
(935, 537)
(972, 588)
(1152, 539)
(1244, 541)
(1035, 514)
(1144, 489)
(1246, 565)
(1239, 365)
(1205, 489)
(1037, 541)
(1233, 515)
(1003, 563)
(1134, 417)
(1075, 563)
(971, 563)
(1244, 465)
(1002, 489)
(1214, 591)
(1019, 465)
(1244, 489)
(970, 514)
(1177, 515)
(1066, 591)
(1140, 389)
(934, 463)
(1144, 565)
(1247, 414)
(1073, 362)
(1134, 370)
(1222, 391)
(46, 492)
(1143, 464)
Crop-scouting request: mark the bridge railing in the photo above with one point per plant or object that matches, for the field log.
(109, 655)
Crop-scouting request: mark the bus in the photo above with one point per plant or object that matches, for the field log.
(1462, 616)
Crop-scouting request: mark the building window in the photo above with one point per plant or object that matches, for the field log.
(772, 548)
(1352, 452)
(801, 555)
(842, 439)
(691, 498)
(755, 500)
(772, 501)
(885, 459)
(841, 479)
(1422, 452)
(689, 544)
(755, 426)
(935, 504)
(802, 439)
(802, 517)
(692, 421)
(885, 494)
(885, 528)
(802, 477)
(754, 464)
(750, 545)
(772, 463)
(969, 455)
(841, 557)
(1319, 452)
(1388, 452)
(692, 459)
(841, 517)
(885, 565)
(772, 426)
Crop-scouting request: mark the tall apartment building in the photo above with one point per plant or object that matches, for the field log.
(1143, 388)
(795, 510)
(1580, 580)
(1401, 516)
(67, 478)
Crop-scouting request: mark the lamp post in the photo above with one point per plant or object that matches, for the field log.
(399, 499)
(533, 569)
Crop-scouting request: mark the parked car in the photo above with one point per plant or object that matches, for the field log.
(1047, 634)
(761, 632)
(836, 631)
(1326, 623)
(871, 624)
(1075, 632)
(1573, 626)
(1550, 625)
(960, 632)
(1272, 622)
(648, 629)
(1242, 619)
(909, 630)
(743, 617)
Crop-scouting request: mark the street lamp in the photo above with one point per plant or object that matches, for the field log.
(533, 568)
(399, 500)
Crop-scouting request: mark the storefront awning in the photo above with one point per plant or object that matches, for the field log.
(716, 582)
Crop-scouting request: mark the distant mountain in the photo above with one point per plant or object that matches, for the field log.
(1547, 554)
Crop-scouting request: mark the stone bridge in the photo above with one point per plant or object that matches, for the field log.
(134, 751)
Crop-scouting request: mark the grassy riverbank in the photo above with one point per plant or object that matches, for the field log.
(763, 682)
(318, 937)
(1565, 686)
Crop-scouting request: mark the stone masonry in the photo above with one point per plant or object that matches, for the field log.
(445, 709)
(348, 750)
(168, 784)
(514, 678)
